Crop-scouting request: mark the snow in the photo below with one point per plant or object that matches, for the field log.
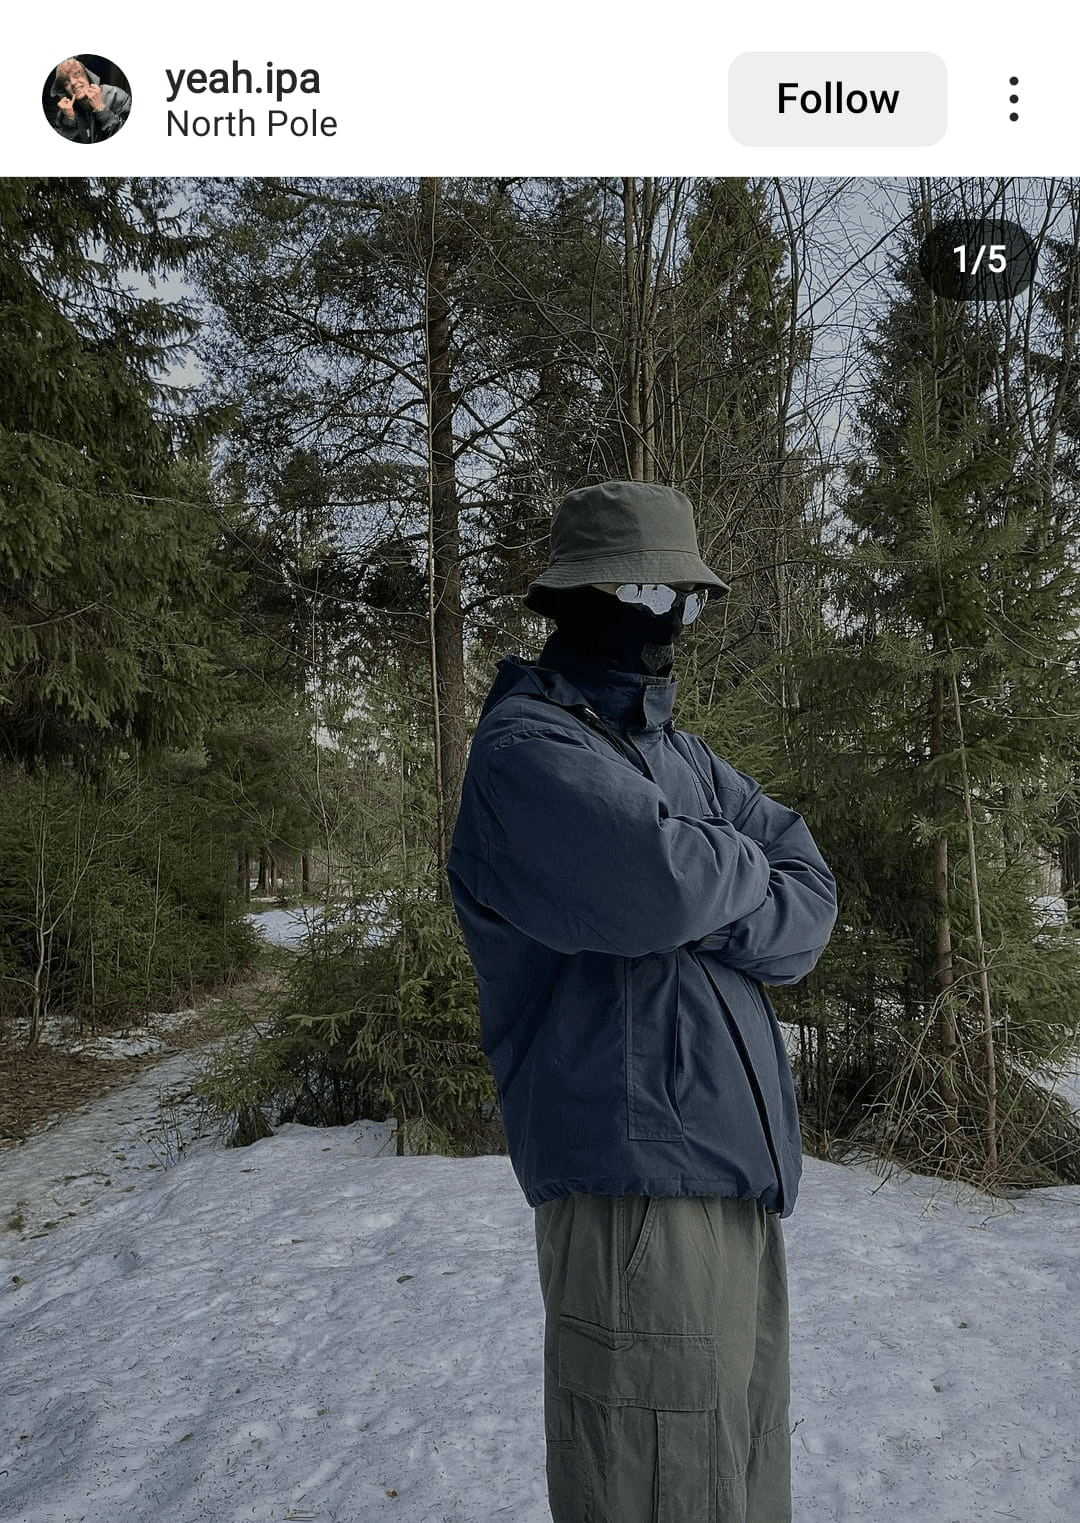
(290, 927)
(284, 927)
(1051, 909)
(314, 1328)
(302, 1330)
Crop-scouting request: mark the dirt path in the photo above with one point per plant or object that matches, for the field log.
(42, 1084)
(79, 1127)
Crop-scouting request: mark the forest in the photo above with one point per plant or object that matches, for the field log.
(278, 459)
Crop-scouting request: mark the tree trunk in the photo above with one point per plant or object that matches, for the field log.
(648, 242)
(446, 625)
(989, 1052)
(943, 958)
(633, 432)
(1069, 859)
(1070, 875)
(948, 1042)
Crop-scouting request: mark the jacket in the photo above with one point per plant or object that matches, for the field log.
(624, 893)
(92, 126)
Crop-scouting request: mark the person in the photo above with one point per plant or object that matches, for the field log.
(86, 110)
(624, 893)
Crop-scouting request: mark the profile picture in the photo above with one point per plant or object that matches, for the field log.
(86, 98)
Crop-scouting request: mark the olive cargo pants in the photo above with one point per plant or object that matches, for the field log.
(665, 1360)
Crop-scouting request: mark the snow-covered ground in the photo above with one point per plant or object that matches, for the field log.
(313, 1328)
(290, 927)
(285, 927)
(300, 1330)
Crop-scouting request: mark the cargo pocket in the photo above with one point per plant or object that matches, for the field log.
(644, 1424)
(652, 1049)
(666, 1372)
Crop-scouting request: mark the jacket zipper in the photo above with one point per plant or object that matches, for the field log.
(622, 742)
(592, 720)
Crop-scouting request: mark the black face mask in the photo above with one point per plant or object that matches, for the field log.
(625, 636)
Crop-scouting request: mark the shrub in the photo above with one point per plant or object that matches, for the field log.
(376, 1016)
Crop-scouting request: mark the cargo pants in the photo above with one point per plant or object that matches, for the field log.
(666, 1377)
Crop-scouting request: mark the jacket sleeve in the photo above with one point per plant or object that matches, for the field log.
(570, 843)
(782, 938)
(114, 111)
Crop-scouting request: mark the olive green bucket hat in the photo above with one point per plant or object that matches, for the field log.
(623, 531)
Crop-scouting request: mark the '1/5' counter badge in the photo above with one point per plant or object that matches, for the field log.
(978, 259)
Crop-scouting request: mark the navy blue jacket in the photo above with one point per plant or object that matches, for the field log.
(623, 894)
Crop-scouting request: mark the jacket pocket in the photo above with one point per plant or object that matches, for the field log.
(652, 1049)
(751, 1033)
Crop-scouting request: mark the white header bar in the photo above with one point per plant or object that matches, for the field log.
(571, 87)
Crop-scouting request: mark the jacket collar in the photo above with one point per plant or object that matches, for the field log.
(623, 699)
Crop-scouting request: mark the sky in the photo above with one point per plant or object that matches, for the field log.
(313, 1328)
(849, 238)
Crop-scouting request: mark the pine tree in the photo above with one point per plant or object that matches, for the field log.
(1050, 411)
(941, 705)
(107, 576)
(361, 315)
(729, 384)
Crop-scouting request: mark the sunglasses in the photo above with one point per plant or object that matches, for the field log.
(658, 598)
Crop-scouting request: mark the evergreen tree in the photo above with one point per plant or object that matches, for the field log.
(666, 348)
(359, 306)
(1050, 416)
(729, 381)
(936, 723)
(107, 576)
(118, 639)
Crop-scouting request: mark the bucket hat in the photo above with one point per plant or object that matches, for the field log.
(623, 531)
